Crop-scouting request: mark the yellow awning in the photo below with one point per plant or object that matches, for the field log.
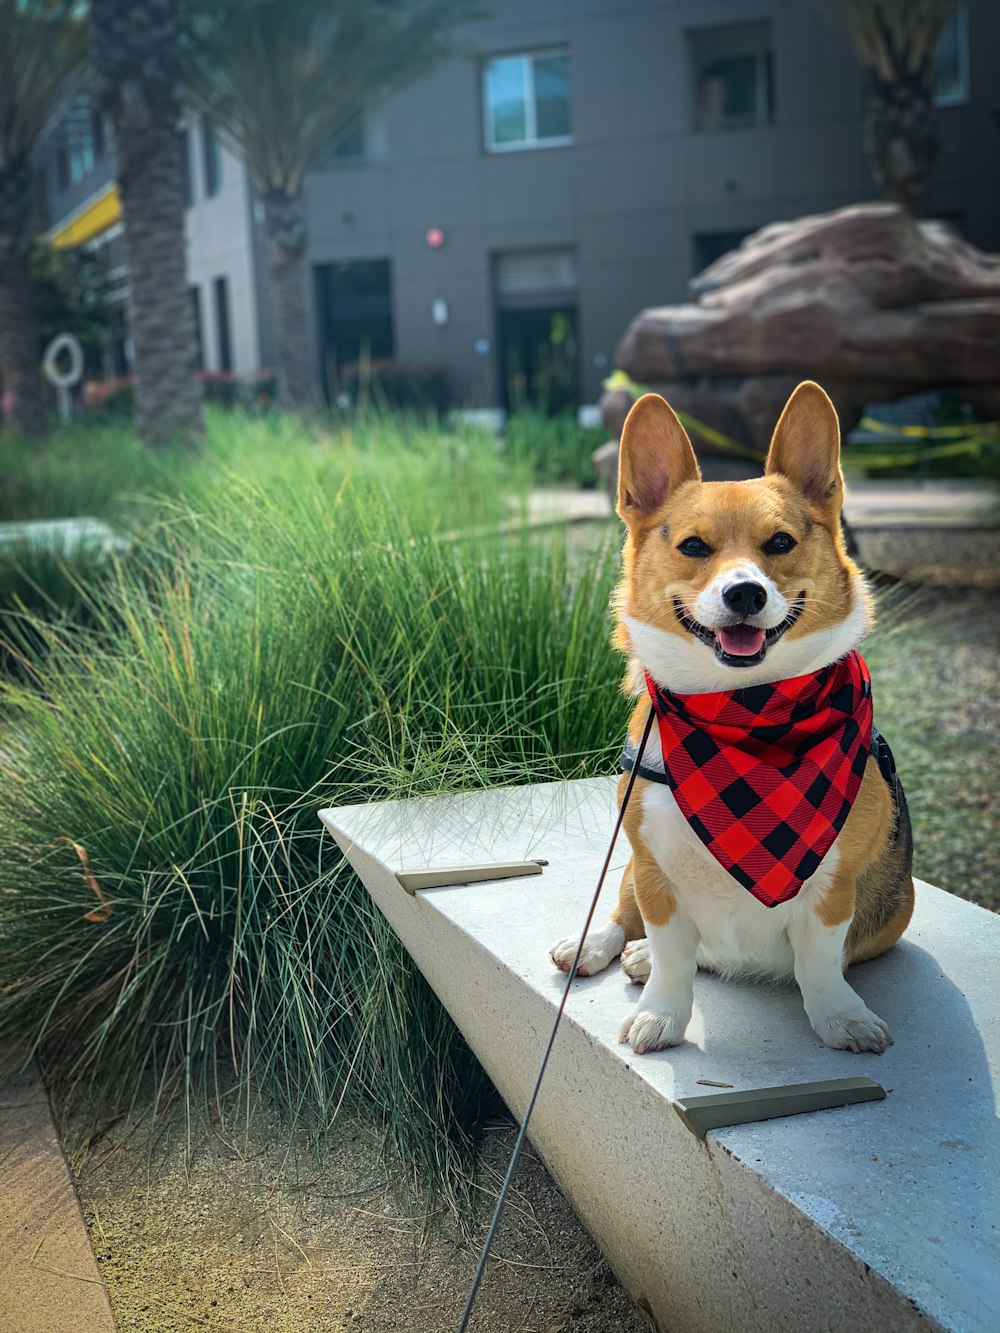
(96, 216)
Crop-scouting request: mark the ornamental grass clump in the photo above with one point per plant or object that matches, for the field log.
(104, 471)
(169, 907)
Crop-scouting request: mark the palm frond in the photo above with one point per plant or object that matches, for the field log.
(892, 38)
(42, 43)
(283, 77)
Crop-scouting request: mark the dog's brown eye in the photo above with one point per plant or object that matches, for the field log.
(779, 544)
(694, 546)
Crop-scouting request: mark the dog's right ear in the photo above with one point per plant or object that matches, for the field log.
(655, 456)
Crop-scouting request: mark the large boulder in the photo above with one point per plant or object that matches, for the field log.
(872, 303)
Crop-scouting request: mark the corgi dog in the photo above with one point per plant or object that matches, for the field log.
(769, 832)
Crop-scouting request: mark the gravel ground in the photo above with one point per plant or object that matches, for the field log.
(223, 1231)
(935, 664)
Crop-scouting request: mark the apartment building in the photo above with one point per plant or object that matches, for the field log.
(77, 205)
(506, 216)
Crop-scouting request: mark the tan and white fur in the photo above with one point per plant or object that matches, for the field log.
(690, 544)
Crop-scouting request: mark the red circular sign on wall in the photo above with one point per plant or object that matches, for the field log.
(435, 238)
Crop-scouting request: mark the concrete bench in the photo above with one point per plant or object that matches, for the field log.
(59, 537)
(878, 1216)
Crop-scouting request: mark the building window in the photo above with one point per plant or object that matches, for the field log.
(349, 141)
(198, 335)
(62, 163)
(81, 160)
(212, 155)
(526, 101)
(40, 197)
(951, 68)
(354, 306)
(187, 178)
(708, 246)
(733, 76)
(76, 149)
(97, 131)
(222, 323)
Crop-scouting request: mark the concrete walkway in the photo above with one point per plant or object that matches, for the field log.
(940, 533)
(868, 504)
(50, 1282)
(922, 504)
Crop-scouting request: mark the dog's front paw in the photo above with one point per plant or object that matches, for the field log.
(860, 1030)
(637, 962)
(653, 1029)
(600, 946)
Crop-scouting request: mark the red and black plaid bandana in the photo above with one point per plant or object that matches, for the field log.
(766, 776)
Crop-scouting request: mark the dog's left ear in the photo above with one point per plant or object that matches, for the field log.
(805, 446)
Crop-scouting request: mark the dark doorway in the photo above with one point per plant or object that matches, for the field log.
(354, 303)
(221, 286)
(708, 246)
(539, 358)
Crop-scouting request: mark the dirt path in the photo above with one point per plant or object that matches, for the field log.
(250, 1238)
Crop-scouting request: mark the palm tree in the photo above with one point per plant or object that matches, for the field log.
(896, 42)
(41, 45)
(282, 79)
(138, 72)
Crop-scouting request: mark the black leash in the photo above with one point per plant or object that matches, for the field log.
(519, 1142)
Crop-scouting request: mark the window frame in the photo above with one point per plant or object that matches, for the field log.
(960, 98)
(187, 167)
(81, 146)
(531, 142)
(765, 116)
(194, 291)
(211, 160)
(355, 125)
(223, 323)
(62, 163)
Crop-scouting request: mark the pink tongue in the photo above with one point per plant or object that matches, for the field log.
(741, 640)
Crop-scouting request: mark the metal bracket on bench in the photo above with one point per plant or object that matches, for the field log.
(701, 1114)
(446, 876)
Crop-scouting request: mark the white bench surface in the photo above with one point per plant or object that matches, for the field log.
(910, 1186)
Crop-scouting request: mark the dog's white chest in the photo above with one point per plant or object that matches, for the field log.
(737, 933)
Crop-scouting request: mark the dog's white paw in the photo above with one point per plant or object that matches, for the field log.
(637, 962)
(860, 1030)
(599, 948)
(654, 1030)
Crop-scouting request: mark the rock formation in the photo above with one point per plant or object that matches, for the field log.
(868, 301)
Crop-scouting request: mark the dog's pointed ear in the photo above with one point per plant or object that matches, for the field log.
(805, 446)
(655, 456)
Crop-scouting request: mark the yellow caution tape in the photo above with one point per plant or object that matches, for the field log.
(970, 439)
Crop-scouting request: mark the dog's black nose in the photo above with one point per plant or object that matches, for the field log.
(745, 599)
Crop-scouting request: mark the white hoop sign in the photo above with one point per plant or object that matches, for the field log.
(63, 378)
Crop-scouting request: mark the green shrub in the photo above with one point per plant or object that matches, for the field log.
(257, 391)
(556, 449)
(313, 640)
(114, 399)
(52, 586)
(395, 386)
(104, 471)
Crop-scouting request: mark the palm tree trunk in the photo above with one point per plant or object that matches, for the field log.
(900, 139)
(161, 321)
(137, 63)
(286, 234)
(19, 370)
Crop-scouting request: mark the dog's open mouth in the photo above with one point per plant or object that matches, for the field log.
(742, 644)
